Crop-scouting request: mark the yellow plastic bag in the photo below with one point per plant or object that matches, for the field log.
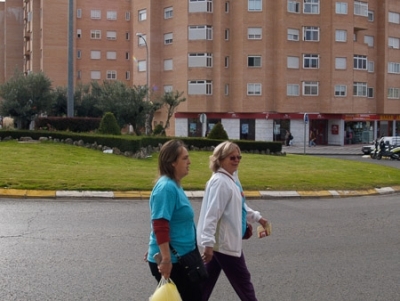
(166, 291)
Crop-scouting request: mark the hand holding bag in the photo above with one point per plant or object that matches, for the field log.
(166, 291)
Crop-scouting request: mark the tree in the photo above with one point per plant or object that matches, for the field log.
(127, 103)
(171, 100)
(109, 125)
(218, 132)
(86, 100)
(26, 96)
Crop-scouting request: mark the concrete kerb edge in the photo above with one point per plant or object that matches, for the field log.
(194, 195)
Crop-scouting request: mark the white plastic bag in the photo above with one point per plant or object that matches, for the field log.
(166, 291)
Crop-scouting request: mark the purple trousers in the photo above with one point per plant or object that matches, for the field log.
(235, 270)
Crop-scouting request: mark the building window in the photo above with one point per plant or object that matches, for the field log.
(226, 61)
(200, 32)
(95, 74)
(127, 36)
(361, 8)
(226, 89)
(95, 34)
(254, 33)
(168, 88)
(310, 88)
(111, 55)
(310, 61)
(254, 89)
(142, 66)
(369, 40)
(340, 35)
(142, 40)
(293, 62)
(227, 7)
(394, 18)
(111, 74)
(168, 65)
(226, 34)
(254, 5)
(394, 93)
(371, 16)
(168, 38)
(95, 54)
(371, 66)
(78, 54)
(360, 62)
(340, 91)
(142, 15)
(292, 90)
(341, 8)
(340, 63)
(111, 15)
(200, 60)
(168, 12)
(79, 13)
(200, 87)
(127, 16)
(79, 33)
(200, 6)
(370, 92)
(111, 35)
(79, 74)
(95, 14)
(310, 33)
(394, 43)
(293, 6)
(359, 89)
(127, 75)
(254, 61)
(293, 34)
(127, 55)
(394, 68)
(311, 7)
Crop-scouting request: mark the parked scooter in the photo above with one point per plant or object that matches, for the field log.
(392, 153)
(383, 150)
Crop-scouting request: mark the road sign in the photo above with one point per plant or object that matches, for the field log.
(203, 118)
(305, 118)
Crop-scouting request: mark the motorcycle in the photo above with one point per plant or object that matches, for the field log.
(393, 153)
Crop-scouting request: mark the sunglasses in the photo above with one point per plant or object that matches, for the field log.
(235, 157)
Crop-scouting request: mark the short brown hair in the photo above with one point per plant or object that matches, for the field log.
(169, 153)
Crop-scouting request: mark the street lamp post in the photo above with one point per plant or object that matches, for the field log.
(140, 36)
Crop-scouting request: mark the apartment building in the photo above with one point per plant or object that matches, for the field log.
(11, 38)
(259, 67)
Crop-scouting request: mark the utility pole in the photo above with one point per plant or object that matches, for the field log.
(70, 93)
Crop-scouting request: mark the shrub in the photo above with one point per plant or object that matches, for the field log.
(159, 130)
(218, 132)
(109, 125)
(8, 123)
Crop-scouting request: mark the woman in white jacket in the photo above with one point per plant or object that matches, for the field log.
(222, 224)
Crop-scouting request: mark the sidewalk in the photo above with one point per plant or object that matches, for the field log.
(354, 149)
(350, 149)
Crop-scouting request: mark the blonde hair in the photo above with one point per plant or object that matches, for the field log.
(220, 153)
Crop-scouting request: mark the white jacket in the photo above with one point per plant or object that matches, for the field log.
(220, 220)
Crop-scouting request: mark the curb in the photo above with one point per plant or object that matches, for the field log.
(193, 195)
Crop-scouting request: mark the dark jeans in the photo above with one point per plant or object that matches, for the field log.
(189, 291)
(235, 270)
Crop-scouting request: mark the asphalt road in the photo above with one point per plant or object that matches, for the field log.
(320, 249)
(367, 159)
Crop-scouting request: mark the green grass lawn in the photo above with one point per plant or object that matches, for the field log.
(57, 166)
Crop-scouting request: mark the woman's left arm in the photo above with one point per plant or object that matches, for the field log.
(255, 216)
